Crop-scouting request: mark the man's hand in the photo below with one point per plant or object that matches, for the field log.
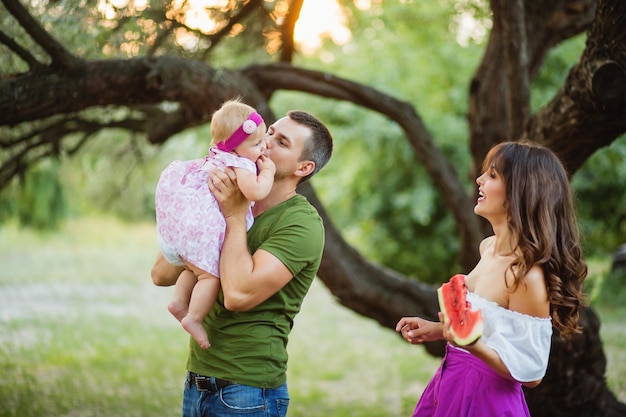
(223, 185)
(164, 274)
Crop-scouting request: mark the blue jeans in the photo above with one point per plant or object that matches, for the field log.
(235, 400)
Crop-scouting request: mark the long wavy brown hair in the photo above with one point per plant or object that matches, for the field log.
(543, 225)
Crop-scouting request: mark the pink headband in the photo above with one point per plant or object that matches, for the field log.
(246, 129)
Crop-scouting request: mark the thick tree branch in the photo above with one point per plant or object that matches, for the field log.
(197, 88)
(510, 17)
(368, 289)
(588, 112)
(547, 24)
(233, 20)
(442, 172)
(550, 23)
(287, 30)
(40, 144)
(26, 56)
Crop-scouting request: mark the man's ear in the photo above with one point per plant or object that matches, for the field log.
(306, 168)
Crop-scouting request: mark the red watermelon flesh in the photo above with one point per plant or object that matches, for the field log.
(466, 325)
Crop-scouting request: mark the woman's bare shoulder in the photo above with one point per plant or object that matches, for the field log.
(531, 296)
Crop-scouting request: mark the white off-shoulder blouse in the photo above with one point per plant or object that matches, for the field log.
(521, 341)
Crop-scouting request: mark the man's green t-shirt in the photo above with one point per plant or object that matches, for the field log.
(251, 347)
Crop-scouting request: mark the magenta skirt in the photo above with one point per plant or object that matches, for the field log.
(464, 386)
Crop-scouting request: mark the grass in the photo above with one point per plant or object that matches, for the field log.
(83, 332)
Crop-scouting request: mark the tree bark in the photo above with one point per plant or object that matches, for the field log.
(574, 384)
(589, 110)
(511, 17)
(547, 24)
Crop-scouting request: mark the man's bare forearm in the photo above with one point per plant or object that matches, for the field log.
(236, 263)
(163, 273)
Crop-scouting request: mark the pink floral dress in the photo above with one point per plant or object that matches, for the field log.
(189, 221)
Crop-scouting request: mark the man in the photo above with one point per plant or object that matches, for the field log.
(265, 274)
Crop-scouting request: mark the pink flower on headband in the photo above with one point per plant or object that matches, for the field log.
(247, 128)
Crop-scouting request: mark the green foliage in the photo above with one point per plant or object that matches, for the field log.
(8, 203)
(601, 199)
(39, 197)
(555, 69)
(123, 182)
(612, 291)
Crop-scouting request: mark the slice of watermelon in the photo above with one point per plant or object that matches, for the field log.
(466, 325)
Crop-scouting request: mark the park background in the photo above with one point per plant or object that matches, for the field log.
(83, 332)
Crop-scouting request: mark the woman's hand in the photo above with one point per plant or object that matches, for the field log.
(445, 328)
(447, 335)
(416, 330)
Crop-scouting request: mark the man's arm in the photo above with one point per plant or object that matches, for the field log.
(247, 280)
(163, 273)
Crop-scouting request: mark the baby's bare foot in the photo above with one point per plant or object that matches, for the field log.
(196, 329)
(178, 309)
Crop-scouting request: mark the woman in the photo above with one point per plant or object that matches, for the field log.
(529, 280)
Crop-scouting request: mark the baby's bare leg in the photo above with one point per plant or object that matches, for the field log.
(182, 294)
(202, 299)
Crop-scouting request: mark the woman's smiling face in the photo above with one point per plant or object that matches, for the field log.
(491, 194)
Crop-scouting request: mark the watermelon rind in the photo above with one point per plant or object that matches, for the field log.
(466, 325)
(442, 304)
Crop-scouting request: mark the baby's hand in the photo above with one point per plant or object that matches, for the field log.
(265, 163)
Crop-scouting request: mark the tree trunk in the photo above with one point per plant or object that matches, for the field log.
(547, 24)
(574, 384)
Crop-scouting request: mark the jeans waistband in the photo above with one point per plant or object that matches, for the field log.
(207, 383)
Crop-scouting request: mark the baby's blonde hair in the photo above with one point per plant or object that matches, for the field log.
(229, 118)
